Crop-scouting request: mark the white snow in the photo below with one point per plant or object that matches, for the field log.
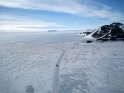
(93, 68)
(82, 67)
(27, 65)
(89, 37)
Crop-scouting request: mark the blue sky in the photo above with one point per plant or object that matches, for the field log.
(42, 15)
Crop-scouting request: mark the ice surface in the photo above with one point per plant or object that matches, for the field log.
(27, 68)
(83, 67)
(93, 68)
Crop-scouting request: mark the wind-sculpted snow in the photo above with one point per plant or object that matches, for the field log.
(93, 68)
(85, 67)
(27, 68)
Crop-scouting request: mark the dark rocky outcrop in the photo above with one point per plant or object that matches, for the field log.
(113, 31)
(87, 33)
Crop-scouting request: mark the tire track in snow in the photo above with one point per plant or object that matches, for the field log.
(56, 70)
(56, 74)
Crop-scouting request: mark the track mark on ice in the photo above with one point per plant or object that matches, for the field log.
(56, 74)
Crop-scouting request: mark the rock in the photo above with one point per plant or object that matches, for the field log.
(113, 31)
(88, 41)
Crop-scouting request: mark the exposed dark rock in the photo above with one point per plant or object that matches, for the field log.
(88, 41)
(87, 33)
(113, 31)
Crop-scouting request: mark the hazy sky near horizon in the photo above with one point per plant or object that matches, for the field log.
(39, 15)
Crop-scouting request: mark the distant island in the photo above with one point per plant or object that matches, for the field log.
(52, 30)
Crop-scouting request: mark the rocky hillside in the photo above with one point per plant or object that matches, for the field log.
(114, 31)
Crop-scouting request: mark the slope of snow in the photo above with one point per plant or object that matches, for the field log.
(93, 68)
(89, 37)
